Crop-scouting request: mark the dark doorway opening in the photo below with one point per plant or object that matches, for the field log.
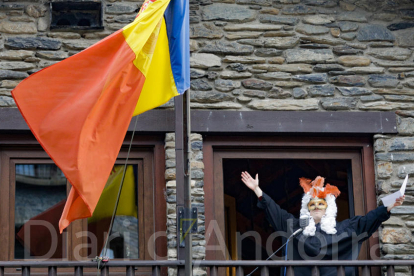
(279, 178)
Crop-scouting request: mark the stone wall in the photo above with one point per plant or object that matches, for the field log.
(302, 55)
(317, 55)
(197, 198)
(394, 159)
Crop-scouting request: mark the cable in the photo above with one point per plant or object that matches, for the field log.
(105, 249)
(291, 236)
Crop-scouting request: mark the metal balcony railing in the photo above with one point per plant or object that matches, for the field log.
(78, 267)
(212, 266)
(340, 266)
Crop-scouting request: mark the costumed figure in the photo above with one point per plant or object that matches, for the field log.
(317, 199)
(323, 238)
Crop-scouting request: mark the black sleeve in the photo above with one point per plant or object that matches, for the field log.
(274, 214)
(370, 222)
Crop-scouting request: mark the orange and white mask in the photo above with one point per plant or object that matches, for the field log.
(322, 198)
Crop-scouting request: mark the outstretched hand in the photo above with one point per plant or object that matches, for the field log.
(252, 183)
(398, 202)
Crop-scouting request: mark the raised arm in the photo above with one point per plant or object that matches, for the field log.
(277, 217)
(371, 221)
(251, 183)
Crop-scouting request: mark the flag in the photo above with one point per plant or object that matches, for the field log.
(40, 232)
(128, 198)
(80, 108)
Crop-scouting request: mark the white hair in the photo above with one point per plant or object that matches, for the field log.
(328, 221)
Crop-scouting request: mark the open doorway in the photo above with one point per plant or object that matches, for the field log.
(346, 162)
(279, 178)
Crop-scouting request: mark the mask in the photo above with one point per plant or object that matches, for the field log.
(317, 203)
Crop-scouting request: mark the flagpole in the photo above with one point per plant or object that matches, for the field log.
(187, 187)
(183, 180)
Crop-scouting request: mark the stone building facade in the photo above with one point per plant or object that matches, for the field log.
(262, 55)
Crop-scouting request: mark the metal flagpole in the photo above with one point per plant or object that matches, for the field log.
(186, 216)
(187, 187)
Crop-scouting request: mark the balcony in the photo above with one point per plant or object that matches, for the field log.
(212, 266)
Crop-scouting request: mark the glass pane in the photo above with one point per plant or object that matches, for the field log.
(123, 242)
(39, 200)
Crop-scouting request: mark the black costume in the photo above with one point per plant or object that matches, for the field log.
(344, 245)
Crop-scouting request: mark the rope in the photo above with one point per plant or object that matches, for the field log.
(105, 249)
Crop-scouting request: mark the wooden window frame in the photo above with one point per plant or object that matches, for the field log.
(358, 149)
(147, 150)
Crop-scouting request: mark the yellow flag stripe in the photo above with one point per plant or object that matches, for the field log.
(141, 35)
(127, 205)
(159, 86)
